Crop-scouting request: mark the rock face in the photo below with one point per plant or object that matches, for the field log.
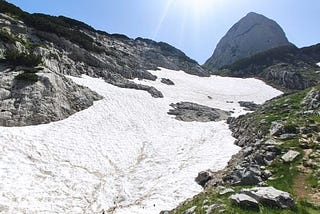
(286, 76)
(186, 111)
(252, 34)
(53, 97)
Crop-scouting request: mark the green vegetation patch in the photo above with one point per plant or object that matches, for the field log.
(13, 57)
(6, 37)
(28, 77)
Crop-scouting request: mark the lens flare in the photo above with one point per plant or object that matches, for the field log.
(196, 6)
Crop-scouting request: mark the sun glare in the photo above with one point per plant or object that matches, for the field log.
(197, 6)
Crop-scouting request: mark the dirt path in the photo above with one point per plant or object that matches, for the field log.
(303, 191)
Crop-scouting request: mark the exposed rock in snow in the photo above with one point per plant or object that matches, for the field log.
(167, 81)
(124, 154)
(119, 81)
(248, 105)
(187, 111)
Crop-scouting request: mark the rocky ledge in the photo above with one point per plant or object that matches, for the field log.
(278, 168)
(188, 112)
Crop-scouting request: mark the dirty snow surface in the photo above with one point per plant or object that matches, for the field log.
(124, 154)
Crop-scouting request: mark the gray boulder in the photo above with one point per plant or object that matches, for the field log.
(252, 34)
(223, 190)
(203, 177)
(276, 128)
(244, 201)
(287, 136)
(290, 156)
(269, 196)
(213, 208)
(191, 210)
(247, 175)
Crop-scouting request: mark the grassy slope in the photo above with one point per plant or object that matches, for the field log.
(287, 176)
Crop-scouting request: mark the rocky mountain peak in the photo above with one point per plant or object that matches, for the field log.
(254, 33)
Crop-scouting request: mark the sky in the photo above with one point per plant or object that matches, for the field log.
(193, 26)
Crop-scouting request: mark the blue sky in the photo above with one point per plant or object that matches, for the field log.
(194, 26)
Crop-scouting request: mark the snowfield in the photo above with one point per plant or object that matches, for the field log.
(124, 154)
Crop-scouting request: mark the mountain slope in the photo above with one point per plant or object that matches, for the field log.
(252, 34)
(35, 44)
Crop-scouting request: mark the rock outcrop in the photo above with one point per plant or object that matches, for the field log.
(311, 103)
(53, 97)
(252, 34)
(186, 111)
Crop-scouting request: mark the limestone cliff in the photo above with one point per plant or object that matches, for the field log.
(252, 34)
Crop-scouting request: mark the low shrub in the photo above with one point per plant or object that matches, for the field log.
(16, 58)
(27, 76)
(6, 37)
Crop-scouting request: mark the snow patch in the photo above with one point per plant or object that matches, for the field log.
(318, 64)
(124, 153)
